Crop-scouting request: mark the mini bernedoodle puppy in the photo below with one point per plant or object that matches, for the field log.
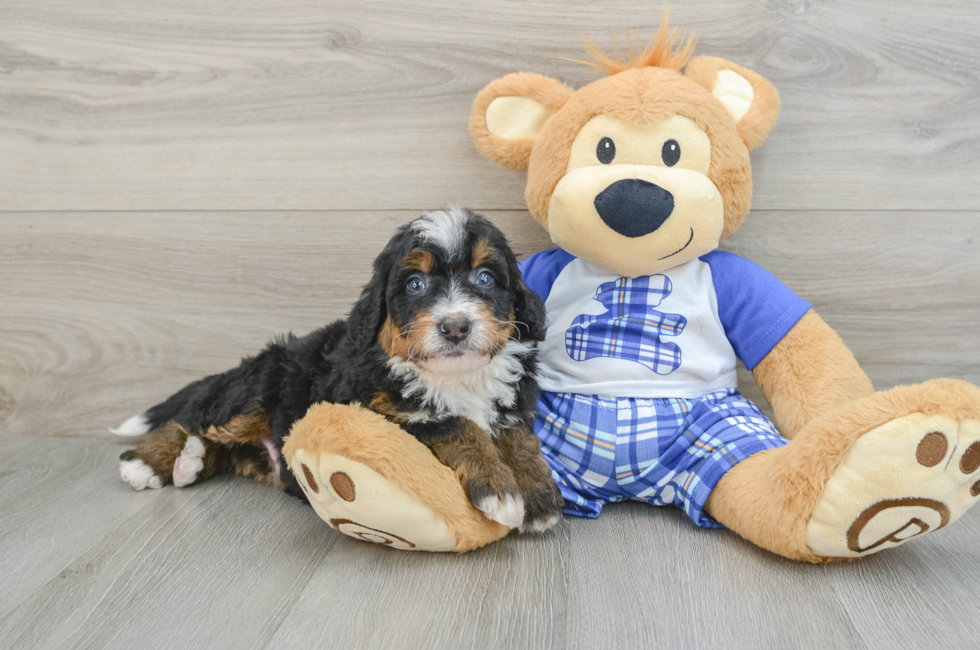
(443, 341)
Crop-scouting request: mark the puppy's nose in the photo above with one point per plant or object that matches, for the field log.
(634, 208)
(455, 327)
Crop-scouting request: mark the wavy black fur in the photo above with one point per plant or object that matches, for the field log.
(344, 363)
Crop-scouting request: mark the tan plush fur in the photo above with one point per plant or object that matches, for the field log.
(513, 154)
(368, 438)
(659, 52)
(769, 497)
(637, 95)
(809, 373)
(755, 125)
(643, 96)
(822, 399)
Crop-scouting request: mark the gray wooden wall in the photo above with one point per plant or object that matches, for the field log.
(182, 179)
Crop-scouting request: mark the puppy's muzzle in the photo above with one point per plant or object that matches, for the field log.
(633, 207)
(455, 328)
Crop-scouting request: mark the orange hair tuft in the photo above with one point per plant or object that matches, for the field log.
(659, 52)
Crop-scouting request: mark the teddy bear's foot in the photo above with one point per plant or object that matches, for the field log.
(369, 479)
(908, 477)
(357, 501)
(868, 476)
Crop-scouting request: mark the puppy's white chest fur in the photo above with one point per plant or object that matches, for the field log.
(474, 395)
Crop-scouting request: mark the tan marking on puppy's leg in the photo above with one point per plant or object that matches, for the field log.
(253, 462)
(520, 449)
(381, 403)
(251, 428)
(490, 484)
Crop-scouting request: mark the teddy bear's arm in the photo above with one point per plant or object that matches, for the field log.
(809, 373)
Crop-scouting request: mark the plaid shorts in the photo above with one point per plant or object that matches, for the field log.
(661, 451)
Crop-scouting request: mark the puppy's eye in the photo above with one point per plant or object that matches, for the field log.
(416, 285)
(671, 153)
(484, 279)
(606, 151)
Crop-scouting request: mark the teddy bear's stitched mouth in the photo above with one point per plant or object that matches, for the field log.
(689, 240)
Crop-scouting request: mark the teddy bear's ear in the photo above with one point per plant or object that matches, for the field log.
(508, 114)
(747, 96)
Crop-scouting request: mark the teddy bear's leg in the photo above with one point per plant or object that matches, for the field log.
(868, 476)
(371, 480)
(808, 374)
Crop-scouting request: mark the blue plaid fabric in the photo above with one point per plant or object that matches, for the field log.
(661, 451)
(631, 328)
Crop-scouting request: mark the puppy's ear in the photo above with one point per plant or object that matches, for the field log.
(529, 309)
(369, 312)
(509, 112)
(747, 96)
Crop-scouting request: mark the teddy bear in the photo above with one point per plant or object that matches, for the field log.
(638, 177)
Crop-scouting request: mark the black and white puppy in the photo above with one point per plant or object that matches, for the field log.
(443, 341)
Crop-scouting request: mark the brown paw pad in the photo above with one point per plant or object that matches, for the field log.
(971, 460)
(343, 486)
(904, 479)
(368, 534)
(932, 449)
(310, 480)
(900, 519)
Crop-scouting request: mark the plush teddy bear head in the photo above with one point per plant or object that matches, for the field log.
(642, 170)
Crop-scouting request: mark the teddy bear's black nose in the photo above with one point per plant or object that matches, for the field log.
(634, 208)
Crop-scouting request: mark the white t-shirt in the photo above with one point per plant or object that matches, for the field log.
(672, 334)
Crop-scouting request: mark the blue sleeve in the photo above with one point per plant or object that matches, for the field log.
(755, 308)
(541, 269)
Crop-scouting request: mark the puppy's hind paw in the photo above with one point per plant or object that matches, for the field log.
(189, 464)
(139, 475)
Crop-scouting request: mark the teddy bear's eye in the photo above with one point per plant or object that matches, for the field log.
(671, 153)
(606, 151)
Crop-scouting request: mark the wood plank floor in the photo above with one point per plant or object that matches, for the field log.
(87, 563)
(180, 180)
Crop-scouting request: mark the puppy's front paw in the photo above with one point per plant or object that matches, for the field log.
(502, 504)
(543, 508)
